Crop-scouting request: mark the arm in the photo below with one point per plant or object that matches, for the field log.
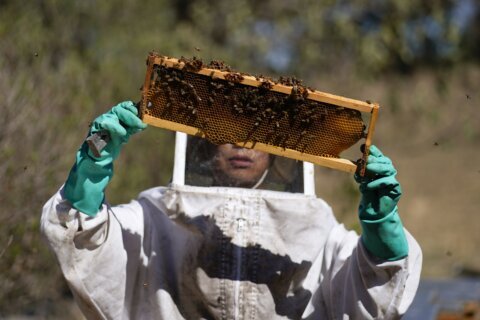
(90, 175)
(374, 276)
(98, 250)
(358, 285)
(100, 256)
(382, 230)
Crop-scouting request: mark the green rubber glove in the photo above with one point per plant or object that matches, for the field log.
(90, 175)
(383, 234)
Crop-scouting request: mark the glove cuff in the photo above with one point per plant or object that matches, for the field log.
(385, 238)
(87, 181)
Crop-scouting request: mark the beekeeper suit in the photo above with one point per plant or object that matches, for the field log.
(224, 250)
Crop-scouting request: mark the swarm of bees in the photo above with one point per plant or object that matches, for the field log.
(227, 111)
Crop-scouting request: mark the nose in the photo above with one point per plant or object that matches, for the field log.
(237, 147)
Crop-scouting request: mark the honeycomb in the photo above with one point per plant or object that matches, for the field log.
(225, 110)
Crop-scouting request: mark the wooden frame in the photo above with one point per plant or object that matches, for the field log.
(334, 163)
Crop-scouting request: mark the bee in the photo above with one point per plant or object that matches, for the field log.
(266, 85)
(284, 142)
(205, 123)
(197, 98)
(238, 108)
(257, 122)
(294, 90)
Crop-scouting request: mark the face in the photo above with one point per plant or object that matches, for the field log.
(239, 167)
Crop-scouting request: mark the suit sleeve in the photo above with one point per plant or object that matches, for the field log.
(358, 285)
(99, 256)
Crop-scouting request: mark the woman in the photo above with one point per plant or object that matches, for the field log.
(227, 249)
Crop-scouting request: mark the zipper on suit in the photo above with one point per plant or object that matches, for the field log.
(240, 224)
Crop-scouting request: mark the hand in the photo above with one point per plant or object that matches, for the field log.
(382, 230)
(379, 187)
(120, 122)
(90, 175)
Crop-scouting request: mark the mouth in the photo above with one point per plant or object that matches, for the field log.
(240, 162)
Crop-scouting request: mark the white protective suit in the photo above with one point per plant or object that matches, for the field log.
(185, 252)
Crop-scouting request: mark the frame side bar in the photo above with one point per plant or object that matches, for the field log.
(368, 139)
(308, 178)
(180, 158)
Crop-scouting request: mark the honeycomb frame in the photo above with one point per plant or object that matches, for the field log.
(230, 107)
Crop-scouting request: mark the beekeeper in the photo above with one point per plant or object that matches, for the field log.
(227, 247)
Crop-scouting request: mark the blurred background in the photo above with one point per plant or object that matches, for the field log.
(62, 63)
